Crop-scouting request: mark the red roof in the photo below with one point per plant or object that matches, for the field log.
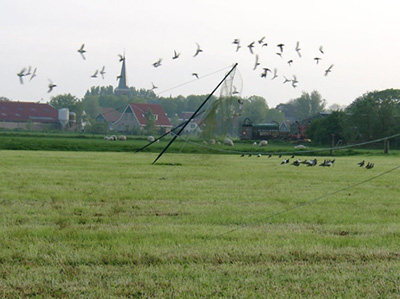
(110, 114)
(24, 111)
(140, 110)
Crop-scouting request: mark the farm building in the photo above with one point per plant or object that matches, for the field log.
(298, 128)
(135, 116)
(109, 116)
(28, 115)
(259, 131)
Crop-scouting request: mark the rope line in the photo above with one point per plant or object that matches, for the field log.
(311, 201)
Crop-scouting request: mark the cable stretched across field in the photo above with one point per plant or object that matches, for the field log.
(311, 201)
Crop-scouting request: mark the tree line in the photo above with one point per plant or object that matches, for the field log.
(370, 116)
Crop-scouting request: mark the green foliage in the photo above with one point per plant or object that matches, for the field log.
(375, 114)
(98, 128)
(320, 131)
(308, 105)
(150, 127)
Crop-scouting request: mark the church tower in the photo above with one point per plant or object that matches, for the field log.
(122, 88)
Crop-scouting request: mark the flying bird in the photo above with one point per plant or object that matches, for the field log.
(196, 75)
(236, 42)
(95, 74)
(265, 73)
(250, 46)
(235, 91)
(102, 72)
(286, 80)
(33, 74)
(280, 46)
(153, 86)
(294, 81)
(81, 51)
(119, 77)
(257, 63)
(28, 72)
(298, 49)
(321, 49)
(261, 40)
(327, 71)
(198, 50)
(51, 86)
(317, 59)
(275, 74)
(21, 74)
(157, 63)
(290, 62)
(121, 57)
(176, 55)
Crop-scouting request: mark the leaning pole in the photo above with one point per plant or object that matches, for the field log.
(195, 113)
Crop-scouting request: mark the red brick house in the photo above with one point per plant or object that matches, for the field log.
(28, 115)
(134, 116)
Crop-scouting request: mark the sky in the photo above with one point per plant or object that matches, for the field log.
(360, 38)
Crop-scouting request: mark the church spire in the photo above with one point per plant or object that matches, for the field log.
(122, 88)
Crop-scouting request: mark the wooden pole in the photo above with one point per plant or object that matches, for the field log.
(194, 114)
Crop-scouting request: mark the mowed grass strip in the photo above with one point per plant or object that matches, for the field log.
(111, 224)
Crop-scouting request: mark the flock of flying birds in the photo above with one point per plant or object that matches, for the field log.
(281, 51)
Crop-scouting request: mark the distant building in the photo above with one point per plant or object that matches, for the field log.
(193, 126)
(122, 88)
(134, 116)
(28, 115)
(109, 116)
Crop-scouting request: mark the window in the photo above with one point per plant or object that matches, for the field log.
(156, 116)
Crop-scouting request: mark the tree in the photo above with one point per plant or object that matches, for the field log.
(255, 108)
(4, 99)
(150, 128)
(308, 105)
(375, 114)
(320, 131)
(67, 101)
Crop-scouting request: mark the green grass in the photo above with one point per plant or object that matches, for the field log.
(100, 224)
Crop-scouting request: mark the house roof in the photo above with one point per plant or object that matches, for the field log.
(110, 114)
(24, 111)
(140, 110)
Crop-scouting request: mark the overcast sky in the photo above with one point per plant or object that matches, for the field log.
(360, 38)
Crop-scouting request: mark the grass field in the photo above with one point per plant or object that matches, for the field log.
(101, 224)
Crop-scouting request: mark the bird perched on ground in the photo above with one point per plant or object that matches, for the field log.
(195, 75)
(176, 55)
(20, 75)
(361, 164)
(298, 49)
(369, 165)
(259, 155)
(327, 71)
(198, 50)
(51, 86)
(250, 46)
(102, 72)
(81, 51)
(157, 63)
(296, 162)
(285, 161)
